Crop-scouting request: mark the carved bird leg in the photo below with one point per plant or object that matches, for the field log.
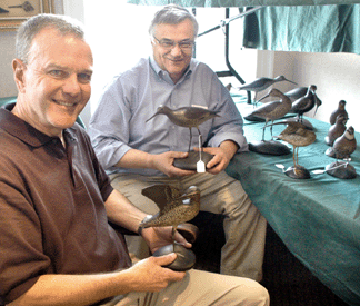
(190, 139)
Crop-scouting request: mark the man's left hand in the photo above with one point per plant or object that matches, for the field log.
(157, 237)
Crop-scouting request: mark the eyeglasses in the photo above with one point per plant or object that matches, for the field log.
(184, 45)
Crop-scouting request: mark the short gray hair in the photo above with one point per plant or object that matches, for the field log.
(31, 27)
(173, 14)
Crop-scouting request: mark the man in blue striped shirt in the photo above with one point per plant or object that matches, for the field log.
(139, 153)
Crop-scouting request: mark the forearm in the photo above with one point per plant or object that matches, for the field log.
(136, 159)
(75, 290)
(121, 212)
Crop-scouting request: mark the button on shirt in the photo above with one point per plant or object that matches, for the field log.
(120, 121)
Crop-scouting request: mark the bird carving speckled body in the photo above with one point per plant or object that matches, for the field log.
(272, 110)
(344, 146)
(188, 117)
(175, 208)
(297, 135)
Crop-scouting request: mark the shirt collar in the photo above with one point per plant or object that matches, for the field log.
(22, 130)
(161, 73)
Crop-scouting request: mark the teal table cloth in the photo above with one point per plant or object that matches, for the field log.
(318, 219)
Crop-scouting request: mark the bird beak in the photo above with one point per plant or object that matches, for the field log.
(152, 117)
(291, 82)
(264, 97)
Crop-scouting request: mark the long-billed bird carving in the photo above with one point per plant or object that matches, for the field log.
(188, 117)
(306, 103)
(263, 83)
(272, 110)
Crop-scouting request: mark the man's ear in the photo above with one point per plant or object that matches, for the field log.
(19, 74)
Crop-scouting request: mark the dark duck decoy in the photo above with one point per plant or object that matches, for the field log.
(175, 209)
(336, 130)
(263, 83)
(344, 146)
(297, 135)
(306, 103)
(339, 111)
(189, 117)
(272, 110)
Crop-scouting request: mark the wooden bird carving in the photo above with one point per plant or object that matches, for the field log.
(336, 130)
(272, 110)
(175, 208)
(344, 146)
(188, 117)
(339, 111)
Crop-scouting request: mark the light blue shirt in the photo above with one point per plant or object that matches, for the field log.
(119, 123)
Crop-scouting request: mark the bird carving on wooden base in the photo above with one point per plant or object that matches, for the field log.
(189, 117)
(175, 208)
(297, 135)
(339, 111)
(343, 146)
(306, 103)
(272, 110)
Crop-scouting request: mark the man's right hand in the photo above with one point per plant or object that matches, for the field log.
(148, 275)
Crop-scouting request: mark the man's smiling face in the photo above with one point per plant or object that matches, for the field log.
(174, 60)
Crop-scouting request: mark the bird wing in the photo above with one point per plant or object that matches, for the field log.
(161, 194)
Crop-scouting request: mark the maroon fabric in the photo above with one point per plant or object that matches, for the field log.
(52, 216)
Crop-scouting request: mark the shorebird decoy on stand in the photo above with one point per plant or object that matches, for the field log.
(270, 112)
(189, 117)
(262, 83)
(306, 103)
(175, 209)
(297, 135)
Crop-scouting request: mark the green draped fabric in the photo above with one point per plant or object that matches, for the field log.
(238, 3)
(332, 28)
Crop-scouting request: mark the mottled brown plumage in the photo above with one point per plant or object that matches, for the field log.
(272, 110)
(175, 208)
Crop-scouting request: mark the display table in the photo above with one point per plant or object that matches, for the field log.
(318, 219)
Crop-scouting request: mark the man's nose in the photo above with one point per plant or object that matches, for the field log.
(72, 85)
(176, 50)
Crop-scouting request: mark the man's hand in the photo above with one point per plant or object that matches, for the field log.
(148, 275)
(222, 156)
(164, 163)
(157, 237)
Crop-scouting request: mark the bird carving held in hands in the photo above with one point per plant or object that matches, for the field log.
(336, 130)
(339, 111)
(187, 116)
(343, 146)
(272, 110)
(175, 208)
